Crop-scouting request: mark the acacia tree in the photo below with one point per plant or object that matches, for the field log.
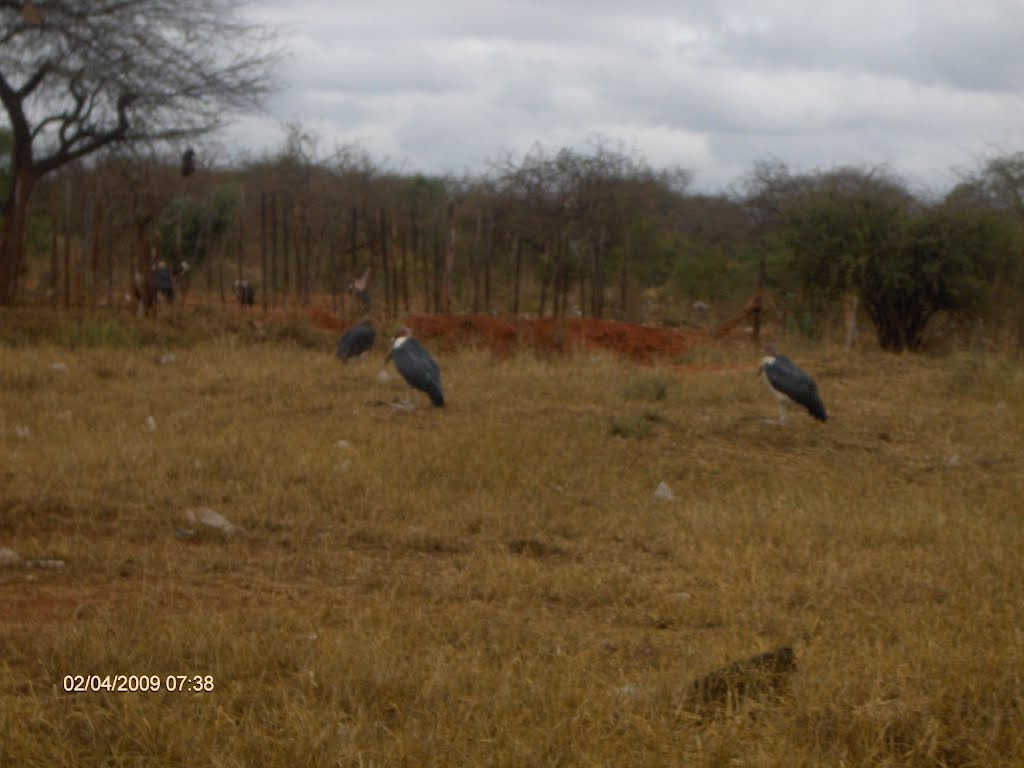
(78, 76)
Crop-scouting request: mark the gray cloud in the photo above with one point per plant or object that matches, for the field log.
(920, 85)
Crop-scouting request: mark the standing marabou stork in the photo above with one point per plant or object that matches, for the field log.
(789, 384)
(356, 340)
(417, 367)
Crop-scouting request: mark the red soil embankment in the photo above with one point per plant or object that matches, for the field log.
(502, 335)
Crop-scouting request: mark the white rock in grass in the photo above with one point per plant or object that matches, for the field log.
(151, 424)
(344, 445)
(8, 557)
(167, 358)
(21, 431)
(383, 375)
(664, 492)
(53, 565)
(208, 517)
(58, 366)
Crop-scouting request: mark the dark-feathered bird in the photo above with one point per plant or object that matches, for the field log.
(789, 384)
(356, 340)
(245, 293)
(417, 367)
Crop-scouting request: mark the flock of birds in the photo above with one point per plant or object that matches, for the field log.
(788, 382)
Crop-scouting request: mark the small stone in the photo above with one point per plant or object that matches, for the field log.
(664, 492)
(383, 376)
(53, 565)
(344, 445)
(166, 359)
(8, 557)
(213, 519)
(58, 366)
(151, 424)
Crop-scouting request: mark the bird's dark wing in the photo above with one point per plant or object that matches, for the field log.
(790, 380)
(356, 340)
(419, 369)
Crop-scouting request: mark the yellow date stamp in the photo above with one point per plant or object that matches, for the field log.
(138, 683)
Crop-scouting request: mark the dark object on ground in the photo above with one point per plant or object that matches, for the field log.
(763, 674)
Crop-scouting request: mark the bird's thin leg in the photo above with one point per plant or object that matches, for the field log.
(782, 413)
(408, 397)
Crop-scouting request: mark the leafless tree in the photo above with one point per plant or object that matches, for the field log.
(78, 76)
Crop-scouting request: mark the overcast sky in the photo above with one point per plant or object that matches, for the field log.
(922, 86)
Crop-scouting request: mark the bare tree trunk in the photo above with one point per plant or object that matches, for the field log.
(545, 281)
(240, 256)
(221, 253)
(265, 282)
(273, 249)
(488, 260)
(851, 319)
(624, 277)
(583, 288)
(353, 245)
(12, 236)
(475, 258)
(315, 252)
(760, 295)
(332, 266)
(438, 266)
(597, 279)
(420, 251)
(285, 247)
(449, 260)
(91, 241)
(385, 259)
(307, 263)
(54, 282)
(67, 251)
(401, 273)
(519, 264)
(108, 230)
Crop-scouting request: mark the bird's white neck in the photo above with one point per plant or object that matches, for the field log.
(767, 360)
(399, 341)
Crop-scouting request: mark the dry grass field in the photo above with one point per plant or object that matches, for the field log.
(495, 582)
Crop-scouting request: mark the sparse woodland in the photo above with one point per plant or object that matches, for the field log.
(597, 234)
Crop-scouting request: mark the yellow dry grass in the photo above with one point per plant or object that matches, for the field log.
(495, 583)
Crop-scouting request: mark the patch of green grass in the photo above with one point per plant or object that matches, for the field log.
(634, 425)
(653, 388)
(95, 332)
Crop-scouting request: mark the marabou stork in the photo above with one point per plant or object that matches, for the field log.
(417, 367)
(356, 340)
(245, 293)
(789, 384)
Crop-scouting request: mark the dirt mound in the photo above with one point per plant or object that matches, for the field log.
(504, 334)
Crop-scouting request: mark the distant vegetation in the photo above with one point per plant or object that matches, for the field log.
(597, 233)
